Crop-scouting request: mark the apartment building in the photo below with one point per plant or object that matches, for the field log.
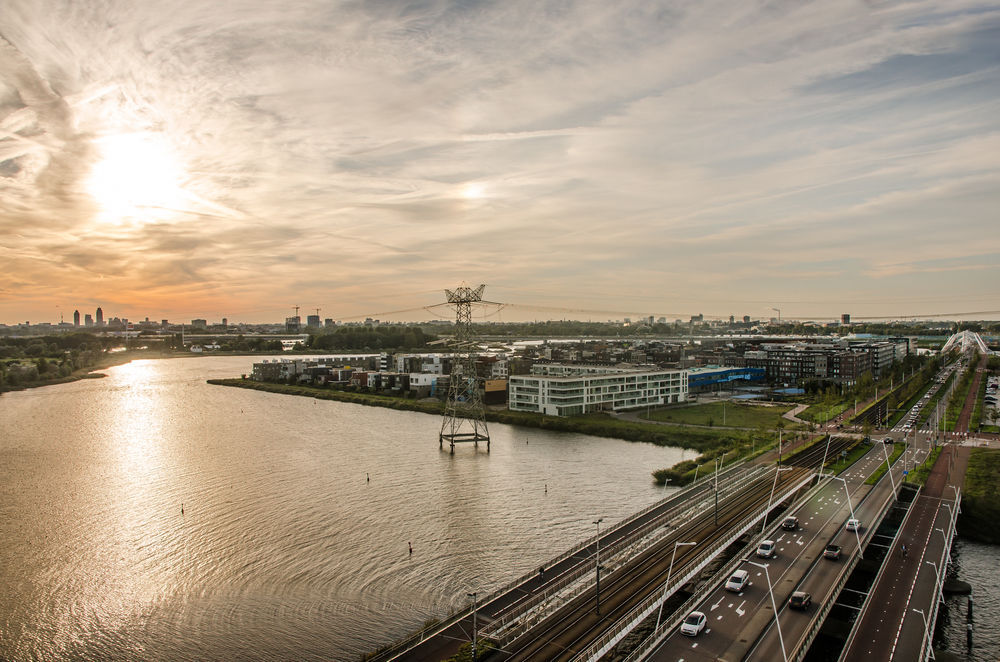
(561, 390)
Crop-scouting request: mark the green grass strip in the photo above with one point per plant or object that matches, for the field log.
(853, 456)
(919, 474)
(896, 452)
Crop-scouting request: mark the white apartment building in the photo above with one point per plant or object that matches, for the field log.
(570, 390)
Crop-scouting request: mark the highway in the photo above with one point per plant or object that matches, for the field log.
(570, 631)
(737, 621)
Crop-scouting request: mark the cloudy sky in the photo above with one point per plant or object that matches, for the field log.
(184, 158)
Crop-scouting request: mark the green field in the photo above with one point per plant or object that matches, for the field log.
(820, 413)
(981, 497)
(727, 414)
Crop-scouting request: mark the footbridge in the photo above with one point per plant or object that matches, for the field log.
(966, 341)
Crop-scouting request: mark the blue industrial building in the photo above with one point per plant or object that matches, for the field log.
(706, 379)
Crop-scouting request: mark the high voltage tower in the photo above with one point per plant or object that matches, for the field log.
(464, 415)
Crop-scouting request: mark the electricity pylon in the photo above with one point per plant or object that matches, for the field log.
(464, 415)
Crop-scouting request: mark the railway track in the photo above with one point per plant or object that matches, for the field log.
(576, 625)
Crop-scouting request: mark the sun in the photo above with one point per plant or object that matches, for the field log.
(137, 179)
(473, 191)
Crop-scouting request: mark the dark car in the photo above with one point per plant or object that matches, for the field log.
(832, 552)
(790, 523)
(800, 600)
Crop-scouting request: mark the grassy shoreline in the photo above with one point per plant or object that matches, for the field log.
(981, 497)
(89, 372)
(709, 441)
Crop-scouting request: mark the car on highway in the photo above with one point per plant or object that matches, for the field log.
(693, 624)
(800, 600)
(853, 525)
(737, 581)
(766, 549)
(790, 523)
(888, 440)
(832, 552)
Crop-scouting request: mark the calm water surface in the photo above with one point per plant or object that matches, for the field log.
(977, 564)
(284, 549)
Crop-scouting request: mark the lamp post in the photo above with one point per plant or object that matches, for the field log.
(888, 470)
(927, 634)
(597, 563)
(666, 584)
(475, 632)
(718, 467)
(770, 591)
(851, 507)
(937, 579)
(829, 438)
(777, 470)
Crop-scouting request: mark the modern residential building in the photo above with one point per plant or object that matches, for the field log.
(560, 390)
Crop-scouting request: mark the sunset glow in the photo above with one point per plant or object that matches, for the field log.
(136, 179)
(623, 159)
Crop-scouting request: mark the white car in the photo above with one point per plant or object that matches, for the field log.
(738, 581)
(853, 525)
(693, 624)
(766, 549)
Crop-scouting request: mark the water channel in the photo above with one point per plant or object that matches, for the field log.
(297, 516)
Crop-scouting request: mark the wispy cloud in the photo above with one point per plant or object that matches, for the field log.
(345, 155)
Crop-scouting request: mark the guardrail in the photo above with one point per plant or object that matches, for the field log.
(801, 648)
(925, 648)
(401, 646)
(540, 605)
(871, 532)
(643, 610)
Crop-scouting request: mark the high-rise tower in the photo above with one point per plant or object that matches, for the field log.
(76, 318)
(100, 316)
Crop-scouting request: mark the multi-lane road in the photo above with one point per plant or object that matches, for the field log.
(740, 625)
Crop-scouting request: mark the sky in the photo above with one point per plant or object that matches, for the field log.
(585, 160)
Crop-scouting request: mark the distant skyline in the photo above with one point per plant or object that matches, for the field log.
(591, 160)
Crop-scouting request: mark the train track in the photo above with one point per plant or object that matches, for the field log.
(575, 626)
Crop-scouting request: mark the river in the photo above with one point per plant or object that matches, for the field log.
(297, 516)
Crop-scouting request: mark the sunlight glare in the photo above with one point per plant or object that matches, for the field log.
(473, 191)
(137, 179)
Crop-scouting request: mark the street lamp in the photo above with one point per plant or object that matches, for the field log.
(937, 579)
(888, 470)
(777, 470)
(770, 591)
(718, 468)
(475, 632)
(667, 583)
(927, 634)
(851, 507)
(597, 563)
(829, 438)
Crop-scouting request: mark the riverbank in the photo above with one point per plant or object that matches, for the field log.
(89, 372)
(709, 441)
(981, 497)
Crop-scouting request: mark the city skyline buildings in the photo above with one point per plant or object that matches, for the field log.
(583, 160)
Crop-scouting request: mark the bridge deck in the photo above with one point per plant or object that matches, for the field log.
(889, 628)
